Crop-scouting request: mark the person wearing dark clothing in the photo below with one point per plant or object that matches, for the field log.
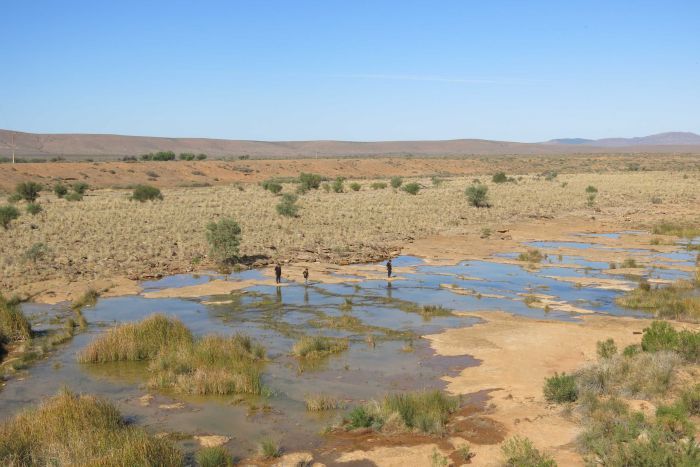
(306, 275)
(388, 268)
(278, 273)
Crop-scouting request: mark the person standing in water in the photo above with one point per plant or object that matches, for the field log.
(278, 273)
(306, 275)
(388, 268)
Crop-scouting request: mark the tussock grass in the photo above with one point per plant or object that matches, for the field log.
(14, 326)
(71, 429)
(137, 341)
(423, 411)
(677, 301)
(269, 449)
(560, 388)
(676, 229)
(213, 365)
(520, 452)
(321, 402)
(213, 457)
(312, 347)
(89, 298)
(532, 255)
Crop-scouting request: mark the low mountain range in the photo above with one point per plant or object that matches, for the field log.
(83, 146)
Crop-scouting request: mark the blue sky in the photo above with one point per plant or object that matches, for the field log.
(351, 70)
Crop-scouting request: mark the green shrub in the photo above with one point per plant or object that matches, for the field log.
(674, 419)
(143, 193)
(532, 255)
(60, 190)
(73, 197)
(201, 156)
(310, 181)
(606, 349)
(287, 206)
(337, 185)
(631, 350)
(560, 388)
(28, 191)
(396, 182)
(591, 189)
(411, 188)
(477, 195)
(427, 411)
(675, 301)
(354, 186)
(659, 336)
(34, 208)
(691, 399)
(80, 187)
(224, 239)
(378, 185)
(359, 417)
(35, 252)
(271, 186)
(186, 156)
(499, 177)
(520, 452)
(212, 456)
(8, 213)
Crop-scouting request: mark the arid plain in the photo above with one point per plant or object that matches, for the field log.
(635, 211)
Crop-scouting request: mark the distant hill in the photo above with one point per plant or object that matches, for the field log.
(83, 146)
(675, 138)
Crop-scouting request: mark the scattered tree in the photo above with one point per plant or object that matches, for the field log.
(224, 239)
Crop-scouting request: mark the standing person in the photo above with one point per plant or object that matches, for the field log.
(306, 275)
(278, 273)
(388, 268)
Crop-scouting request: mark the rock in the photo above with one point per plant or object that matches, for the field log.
(212, 441)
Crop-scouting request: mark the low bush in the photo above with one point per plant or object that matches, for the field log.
(71, 429)
(396, 182)
(28, 191)
(287, 207)
(532, 255)
(560, 388)
(337, 185)
(499, 177)
(520, 452)
(271, 186)
(60, 190)
(143, 193)
(691, 399)
(311, 347)
(310, 181)
(8, 213)
(591, 189)
(411, 188)
(186, 156)
(378, 185)
(606, 349)
(73, 197)
(80, 187)
(224, 238)
(354, 186)
(36, 252)
(477, 195)
(137, 341)
(34, 208)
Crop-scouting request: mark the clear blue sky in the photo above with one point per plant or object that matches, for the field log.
(353, 70)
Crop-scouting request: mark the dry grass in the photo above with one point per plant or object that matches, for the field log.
(321, 402)
(14, 326)
(137, 341)
(70, 429)
(169, 236)
(678, 301)
(213, 365)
